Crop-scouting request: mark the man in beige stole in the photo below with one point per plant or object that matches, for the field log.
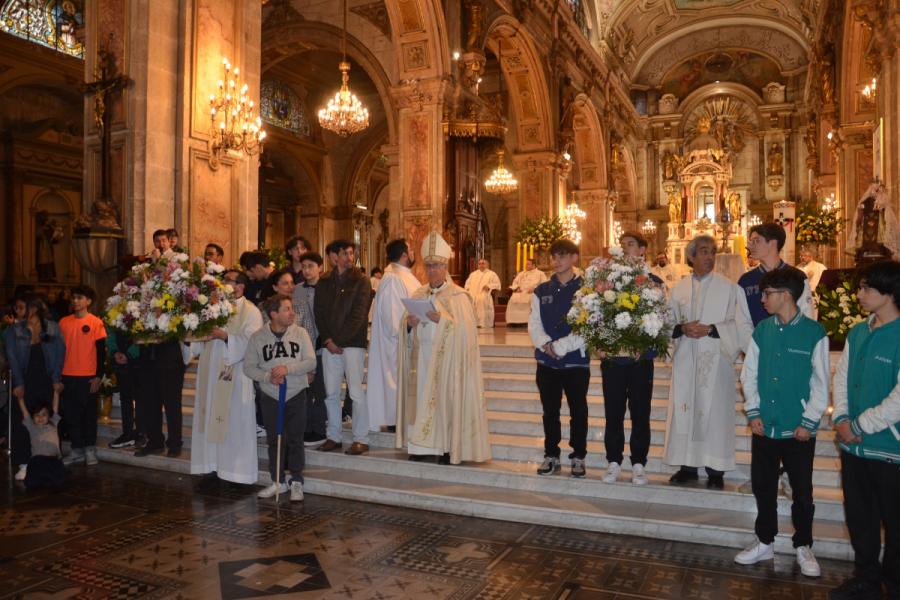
(223, 433)
(710, 332)
(441, 409)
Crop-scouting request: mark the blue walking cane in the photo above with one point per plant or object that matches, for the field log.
(282, 396)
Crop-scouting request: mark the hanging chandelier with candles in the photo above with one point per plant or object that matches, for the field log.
(231, 113)
(571, 222)
(344, 114)
(501, 181)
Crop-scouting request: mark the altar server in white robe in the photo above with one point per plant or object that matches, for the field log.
(440, 393)
(381, 383)
(480, 285)
(519, 307)
(710, 331)
(224, 427)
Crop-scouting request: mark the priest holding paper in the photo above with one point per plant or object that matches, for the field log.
(709, 333)
(441, 409)
(224, 427)
(480, 285)
(519, 307)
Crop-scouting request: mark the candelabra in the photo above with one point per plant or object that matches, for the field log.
(571, 220)
(344, 114)
(754, 221)
(237, 130)
(869, 92)
(501, 181)
(617, 232)
(649, 227)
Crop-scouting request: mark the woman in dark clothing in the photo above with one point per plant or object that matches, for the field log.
(35, 350)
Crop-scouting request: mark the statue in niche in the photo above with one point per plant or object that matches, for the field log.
(476, 22)
(827, 73)
(721, 133)
(49, 233)
(875, 230)
(674, 207)
(615, 156)
(776, 160)
(566, 109)
(669, 166)
(733, 203)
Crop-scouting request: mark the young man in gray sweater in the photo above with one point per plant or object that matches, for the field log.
(278, 353)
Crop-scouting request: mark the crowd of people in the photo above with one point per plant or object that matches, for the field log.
(300, 337)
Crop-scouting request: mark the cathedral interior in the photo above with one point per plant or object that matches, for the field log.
(669, 117)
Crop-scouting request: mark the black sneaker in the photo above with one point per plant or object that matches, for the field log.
(123, 441)
(311, 440)
(856, 589)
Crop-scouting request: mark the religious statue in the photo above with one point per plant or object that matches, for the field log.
(669, 166)
(105, 214)
(49, 233)
(614, 155)
(476, 22)
(721, 134)
(674, 207)
(812, 143)
(776, 160)
(733, 202)
(875, 231)
(827, 73)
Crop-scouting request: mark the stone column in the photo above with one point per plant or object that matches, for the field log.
(595, 236)
(542, 183)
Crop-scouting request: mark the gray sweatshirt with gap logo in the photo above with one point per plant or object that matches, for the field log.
(294, 350)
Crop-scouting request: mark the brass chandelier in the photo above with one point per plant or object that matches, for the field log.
(344, 114)
(573, 216)
(501, 181)
(237, 130)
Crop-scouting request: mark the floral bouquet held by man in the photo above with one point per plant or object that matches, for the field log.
(619, 310)
(170, 299)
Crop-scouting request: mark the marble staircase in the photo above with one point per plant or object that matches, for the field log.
(508, 487)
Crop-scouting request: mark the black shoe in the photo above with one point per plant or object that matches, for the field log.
(208, 482)
(445, 459)
(715, 482)
(311, 440)
(139, 441)
(174, 452)
(122, 441)
(147, 451)
(417, 457)
(682, 477)
(856, 589)
(391, 428)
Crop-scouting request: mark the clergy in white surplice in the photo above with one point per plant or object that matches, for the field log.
(480, 284)
(224, 429)
(381, 383)
(519, 307)
(710, 332)
(441, 409)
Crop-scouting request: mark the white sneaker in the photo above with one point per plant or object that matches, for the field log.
(612, 473)
(20, 476)
(260, 431)
(90, 458)
(808, 564)
(638, 477)
(73, 458)
(755, 552)
(296, 491)
(786, 486)
(273, 488)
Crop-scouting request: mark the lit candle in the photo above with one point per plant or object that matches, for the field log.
(518, 257)
(532, 252)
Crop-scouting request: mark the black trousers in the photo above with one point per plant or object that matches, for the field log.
(767, 455)
(292, 428)
(79, 410)
(632, 384)
(315, 402)
(871, 489)
(551, 384)
(160, 389)
(45, 470)
(709, 472)
(19, 439)
(132, 409)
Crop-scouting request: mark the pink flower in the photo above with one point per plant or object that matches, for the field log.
(641, 280)
(603, 286)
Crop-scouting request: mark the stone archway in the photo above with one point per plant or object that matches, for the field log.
(589, 150)
(420, 37)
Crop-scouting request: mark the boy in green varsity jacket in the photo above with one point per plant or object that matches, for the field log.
(867, 418)
(786, 376)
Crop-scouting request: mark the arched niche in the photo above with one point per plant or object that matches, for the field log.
(48, 238)
(293, 195)
(366, 174)
(589, 150)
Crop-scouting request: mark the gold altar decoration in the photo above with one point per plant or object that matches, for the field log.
(727, 120)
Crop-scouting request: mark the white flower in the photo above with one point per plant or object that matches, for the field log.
(133, 308)
(202, 299)
(619, 285)
(271, 265)
(573, 312)
(840, 290)
(207, 278)
(626, 279)
(214, 268)
(229, 289)
(181, 257)
(191, 321)
(163, 322)
(616, 253)
(623, 320)
(846, 311)
(609, 296)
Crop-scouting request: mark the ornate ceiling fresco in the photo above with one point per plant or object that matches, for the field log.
(737, 66)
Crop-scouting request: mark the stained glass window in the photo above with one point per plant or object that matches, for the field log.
(577, 9)
(280, 105)
(48, 22)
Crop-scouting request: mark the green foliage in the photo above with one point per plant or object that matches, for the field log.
(817, 225)
(839, 309)
(541, 232)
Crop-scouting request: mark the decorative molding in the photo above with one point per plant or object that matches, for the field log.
(282, 13)
(376, 13)
(415, 56)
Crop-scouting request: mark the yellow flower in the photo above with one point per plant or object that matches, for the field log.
(138, 326)
(170, 305)
(635, 298)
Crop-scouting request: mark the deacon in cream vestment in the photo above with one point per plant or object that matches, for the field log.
(519, 307)
(483, 300)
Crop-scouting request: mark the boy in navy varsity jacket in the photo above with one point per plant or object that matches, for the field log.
(785, 378)
(562, 361)
(867, 418)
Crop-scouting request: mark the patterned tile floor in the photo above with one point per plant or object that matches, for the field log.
(115, 533)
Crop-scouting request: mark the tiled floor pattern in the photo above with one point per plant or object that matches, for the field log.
(117, 533)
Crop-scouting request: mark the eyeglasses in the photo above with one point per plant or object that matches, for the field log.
(768, 293)
(756, 240)
(229, 281)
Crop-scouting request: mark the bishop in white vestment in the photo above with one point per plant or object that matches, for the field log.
(480, 285)
(710, 332)
(519, 307)
(381, 379)
(441, 408)
(224, 427)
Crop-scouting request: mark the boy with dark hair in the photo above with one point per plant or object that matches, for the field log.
(258, 267)
(867, 418)
(84, 367)
(311, 265)
(161, 245)
(294, 248)
(785, 377)
(44, 466)
(214, 253)
(563, 363)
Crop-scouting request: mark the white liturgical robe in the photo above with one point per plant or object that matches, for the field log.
(235, 459)
(700, 420)
(670, 274)
(519, 307)
(381, 382)
(484, 302)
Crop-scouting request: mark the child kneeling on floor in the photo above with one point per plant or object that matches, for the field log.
(45, 466)
(786, 377)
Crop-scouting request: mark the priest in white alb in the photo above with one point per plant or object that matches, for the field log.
(223, 433)
(710, 332)
(813, 272)
(519, 307)
(441, 409)
(381, 380)
(480, 285)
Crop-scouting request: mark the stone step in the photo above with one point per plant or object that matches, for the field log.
(525, 383)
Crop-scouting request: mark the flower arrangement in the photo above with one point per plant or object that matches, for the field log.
(818, 225)
(839, 310)
(277, 256)
(541, 232)
(108, 384)
(619, 309)
(170, 299)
